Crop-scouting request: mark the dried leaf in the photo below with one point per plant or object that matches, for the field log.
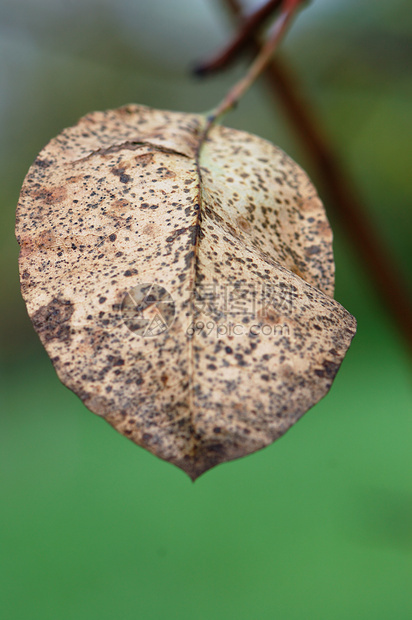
(186, 300)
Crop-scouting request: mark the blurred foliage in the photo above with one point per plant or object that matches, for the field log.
(320, 524)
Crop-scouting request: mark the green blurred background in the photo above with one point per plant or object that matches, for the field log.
(318, 525)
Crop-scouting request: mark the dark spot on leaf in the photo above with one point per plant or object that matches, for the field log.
(52, 322)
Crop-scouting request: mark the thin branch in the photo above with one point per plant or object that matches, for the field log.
(241, 40)
(262, 59)
(343, 197)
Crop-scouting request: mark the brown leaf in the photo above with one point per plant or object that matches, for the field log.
(186, 301)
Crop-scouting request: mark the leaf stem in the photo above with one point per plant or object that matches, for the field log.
(288, 9)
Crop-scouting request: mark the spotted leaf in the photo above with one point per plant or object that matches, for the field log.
(182, 288)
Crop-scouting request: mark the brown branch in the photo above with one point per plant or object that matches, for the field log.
(263, 57)
(241, 40)
(343, 197)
